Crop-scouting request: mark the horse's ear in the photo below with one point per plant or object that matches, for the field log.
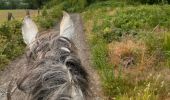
(66, 26)
(29, 30)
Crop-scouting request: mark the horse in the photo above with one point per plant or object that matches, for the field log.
(54, 70)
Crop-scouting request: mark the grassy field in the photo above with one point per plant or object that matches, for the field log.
(130, 48)
(18, 14)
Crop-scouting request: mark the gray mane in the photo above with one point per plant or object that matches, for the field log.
(54, 71)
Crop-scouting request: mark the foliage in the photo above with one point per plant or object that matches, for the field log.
(149, 1)
(11, 44)
(142, 17)
(45, 22)
(107, 23)
(35, 4)
(13, 4)
(49, 17)
(68, 5)
(22, 4)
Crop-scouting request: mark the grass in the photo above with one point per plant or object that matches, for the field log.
(142, 17)
(18, 14)
(130, 49)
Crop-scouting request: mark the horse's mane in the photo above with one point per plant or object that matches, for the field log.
(54, 71)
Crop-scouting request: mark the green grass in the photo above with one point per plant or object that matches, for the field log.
(110, 22)
(142, 17)
(18, 14)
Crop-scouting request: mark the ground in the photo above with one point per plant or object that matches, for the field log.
(18, 67)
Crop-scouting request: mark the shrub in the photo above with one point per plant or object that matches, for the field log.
(48, 17)
(68, 5)
(11, 43)
(45, 22)
(149, 1)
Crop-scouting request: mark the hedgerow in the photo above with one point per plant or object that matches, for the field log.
(11, 43)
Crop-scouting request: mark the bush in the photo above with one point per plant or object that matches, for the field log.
(49, 17)
(149, 1)
(11, 43)
(68, 5)
(99, 52)
(45, 22)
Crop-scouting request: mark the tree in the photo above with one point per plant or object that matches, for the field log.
(3, 4)
(13, 4)
(34, 4)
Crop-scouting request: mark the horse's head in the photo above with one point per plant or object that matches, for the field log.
(55, 71)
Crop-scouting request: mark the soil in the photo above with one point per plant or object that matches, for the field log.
(17, 68)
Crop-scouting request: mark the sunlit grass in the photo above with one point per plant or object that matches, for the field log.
(18, 14)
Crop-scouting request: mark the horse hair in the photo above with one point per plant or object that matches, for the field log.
(50, 60)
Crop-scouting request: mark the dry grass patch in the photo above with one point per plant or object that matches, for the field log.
(130, 53)
(89, 27)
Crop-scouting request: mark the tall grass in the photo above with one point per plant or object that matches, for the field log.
(142, 17)
(166, 47)
(108, 24)
(112, 85)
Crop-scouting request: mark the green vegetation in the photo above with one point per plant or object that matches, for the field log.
(149, 1)
(11, 43)
(118, 33)
(52, 10)
(22, 4)
(142, 17)
(129, 41)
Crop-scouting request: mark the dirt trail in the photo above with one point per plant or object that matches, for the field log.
(18, 67)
